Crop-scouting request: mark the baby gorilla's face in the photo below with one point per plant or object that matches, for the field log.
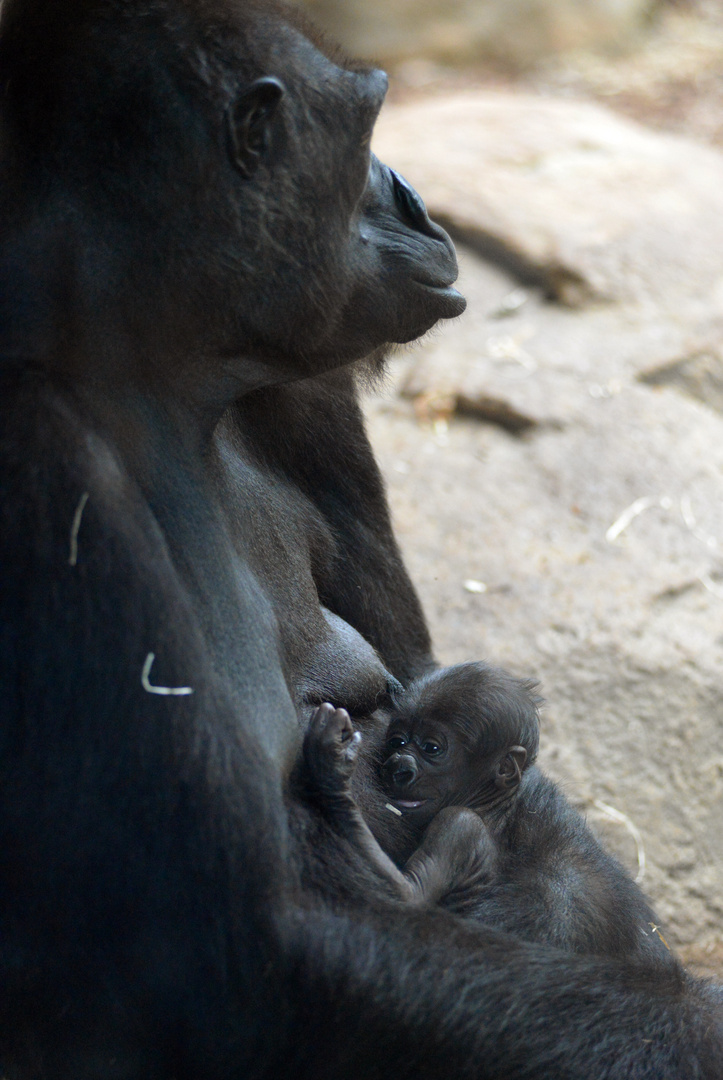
(427, 766)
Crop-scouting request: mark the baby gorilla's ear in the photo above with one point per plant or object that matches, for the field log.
(508, 770)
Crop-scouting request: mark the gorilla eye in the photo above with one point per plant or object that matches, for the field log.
(431, 748)
(396, 742)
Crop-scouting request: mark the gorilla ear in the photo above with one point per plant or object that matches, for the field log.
(508, 771)
(249, 122)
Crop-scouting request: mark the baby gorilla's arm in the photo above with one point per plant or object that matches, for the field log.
(457, 852)
(457, 856)
(331, 748)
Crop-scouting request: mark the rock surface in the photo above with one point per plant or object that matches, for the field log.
(519, 31)
(592, 205)
(576, 532)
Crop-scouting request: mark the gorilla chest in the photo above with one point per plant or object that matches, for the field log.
(281, 538)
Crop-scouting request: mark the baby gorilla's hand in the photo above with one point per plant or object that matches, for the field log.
(331, 747)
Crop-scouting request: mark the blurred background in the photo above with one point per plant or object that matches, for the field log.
(554, 458)
(656, 60)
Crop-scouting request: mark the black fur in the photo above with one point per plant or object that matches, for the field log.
(185, 473)
(538, 872)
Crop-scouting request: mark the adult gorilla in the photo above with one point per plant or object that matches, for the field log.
(194, 244)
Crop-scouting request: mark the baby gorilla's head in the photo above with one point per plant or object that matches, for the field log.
(461, 736)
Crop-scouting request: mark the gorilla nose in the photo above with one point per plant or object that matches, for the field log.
(401, 770)
(412, 208)
(403, 777)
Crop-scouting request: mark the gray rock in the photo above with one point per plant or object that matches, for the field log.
(590, 205)
(587, 551)
(700, 373)
(519, 31)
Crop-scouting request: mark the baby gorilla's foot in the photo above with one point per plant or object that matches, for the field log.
(454, 861)
(331, 747)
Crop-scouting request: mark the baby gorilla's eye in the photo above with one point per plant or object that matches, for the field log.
(431, 748)
(396, 742)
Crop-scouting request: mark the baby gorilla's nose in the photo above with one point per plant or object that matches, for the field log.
(403, 777)
(401, 770)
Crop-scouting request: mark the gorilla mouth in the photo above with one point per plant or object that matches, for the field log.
(446, 291)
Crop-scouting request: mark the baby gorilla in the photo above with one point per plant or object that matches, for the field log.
(446, 789)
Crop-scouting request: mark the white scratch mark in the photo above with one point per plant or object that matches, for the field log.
(686, 510)
(656, 930)
(75, 527)
(508, 349)
(474, 586)
(388, 806)
(636, 508)
(623, 819)
(510, 304)
(440, 427)
(712, 586)
(175, 691)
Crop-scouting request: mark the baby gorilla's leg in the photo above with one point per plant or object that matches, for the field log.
(456, 858)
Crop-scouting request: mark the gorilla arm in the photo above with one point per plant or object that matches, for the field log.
(123, 799)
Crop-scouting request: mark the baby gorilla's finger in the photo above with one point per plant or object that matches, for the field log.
(352, 745)
(339, 724)
(319, 741)
(338, 736)
(330, 748)
(320, 717)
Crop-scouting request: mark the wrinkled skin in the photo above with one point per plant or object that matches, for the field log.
(195, 245)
